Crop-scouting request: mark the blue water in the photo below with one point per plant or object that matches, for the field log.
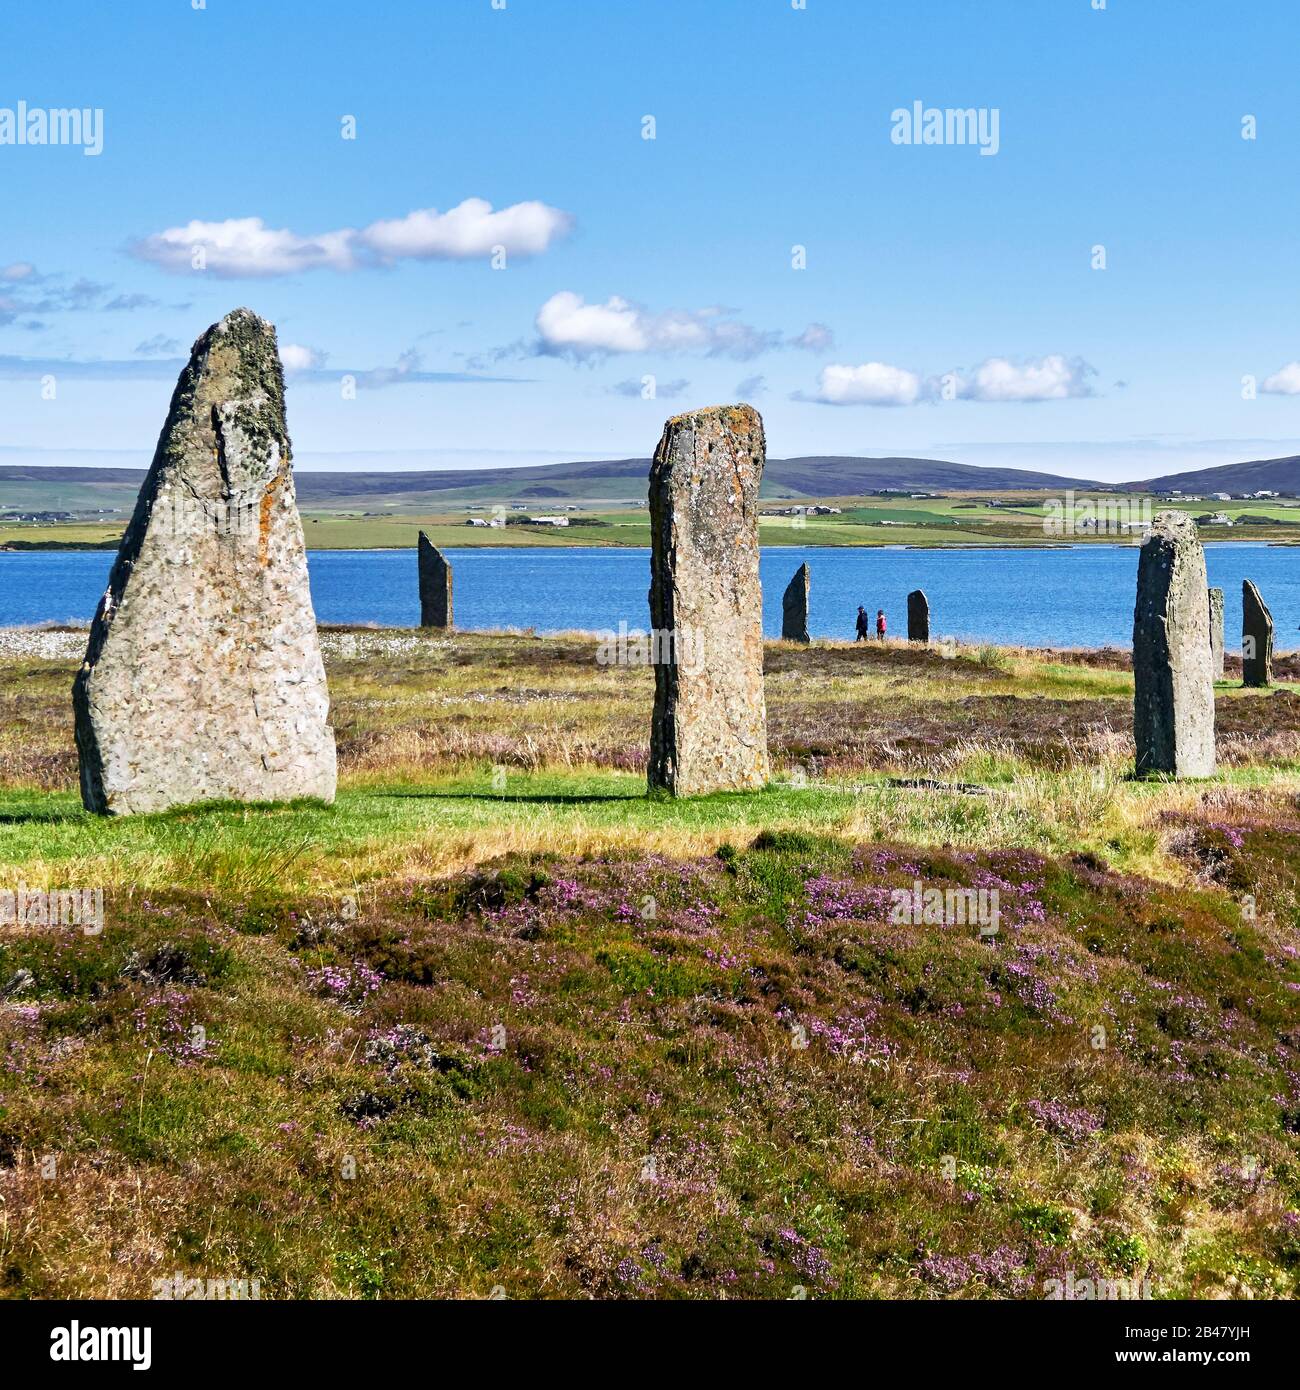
(1069, 597)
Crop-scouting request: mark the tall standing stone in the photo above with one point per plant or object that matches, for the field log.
(1256, 637)
(435, 585)
(709, 730)
(203, 678)
(918, 616)
(1173, 682)
(794, 607)
(1216, 633)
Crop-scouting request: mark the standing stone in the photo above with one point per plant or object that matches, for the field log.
(1173, 682)
(1256, 637)
(435, 585)
(709, 731)
(794, 607)
(203, 678)
(918, 616)
(1216, 633)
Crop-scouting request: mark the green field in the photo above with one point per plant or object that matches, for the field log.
(954, 520)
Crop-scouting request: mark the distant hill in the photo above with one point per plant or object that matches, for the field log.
(812, 476)
(832, 475)
(41, 487)
(1259, 475)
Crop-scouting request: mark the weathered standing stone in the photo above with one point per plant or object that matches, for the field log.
(435, 585)
(709, 731)
(1256, 637)
(1216, 633)
(1173, 683)
(794, 607)
(918, 616)
(203, 678)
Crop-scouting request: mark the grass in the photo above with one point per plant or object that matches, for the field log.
(497, 1020)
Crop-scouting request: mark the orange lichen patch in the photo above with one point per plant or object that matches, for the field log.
(264, 518)
(742, 417)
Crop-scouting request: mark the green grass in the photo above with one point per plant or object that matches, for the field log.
(54, 828)
(375, 832)
(306, 843)
(498, 1019)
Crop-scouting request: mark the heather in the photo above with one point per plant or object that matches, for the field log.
(497, 1022)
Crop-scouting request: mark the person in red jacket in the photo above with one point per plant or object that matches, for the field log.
(880, 623)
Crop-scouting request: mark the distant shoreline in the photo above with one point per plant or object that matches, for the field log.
(990, 547)
(65, 641)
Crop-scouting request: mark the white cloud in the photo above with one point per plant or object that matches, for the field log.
(815, 338)
(158, 346)
(29, 291)
(297, 358)
(407, 369)
(149, 365)
(567, 323)
(567, 326)
(663, 390)
(873, 383)
(126, 303)
(1285, 382)
(1051, 378)
(469, 230)
(247, 247)
(998, 379)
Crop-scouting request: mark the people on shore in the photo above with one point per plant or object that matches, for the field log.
(863, 625)
(880, 624)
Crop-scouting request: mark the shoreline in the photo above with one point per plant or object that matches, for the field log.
(58, 641)
(978, 547)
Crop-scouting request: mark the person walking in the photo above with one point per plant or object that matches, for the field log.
(880, 623)
(863, 628)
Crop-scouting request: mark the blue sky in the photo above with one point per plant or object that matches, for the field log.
(949, 305)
